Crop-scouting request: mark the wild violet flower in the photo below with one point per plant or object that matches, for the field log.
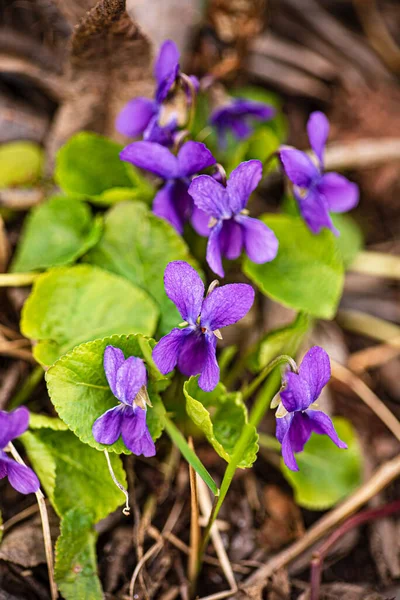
(229, 228)
(238, 117)
(152, 118)
(297, 417)
(127, 380)
(172, 202)
(12, 425)
(316, 192)
(193, 347)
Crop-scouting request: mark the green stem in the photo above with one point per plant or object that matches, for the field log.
(269, 442)
(250, 389)
(28, 387)
(261, 404)
(17, 279)
(192, 458)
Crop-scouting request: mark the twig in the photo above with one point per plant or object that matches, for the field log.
(206, 508)
(377, 264)
(345, 376)
(150, 552)
(364, 153)
(21, 516)
(364, 324)
(374, 356)
(194, 527)
(17, 279)
(45, 527)
(379, 480)
(355, 521)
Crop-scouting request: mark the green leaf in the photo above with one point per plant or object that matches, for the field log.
(21, 163)
(350, 241)
(285, 340)
(76, 564)
(73, 474)
(307, 273)
(79, 390)
(70, 231)
(89, 165)
(45, 422)
(138, 245)
(327, 473)
(69, 306)
(221, 416)
(189, 454)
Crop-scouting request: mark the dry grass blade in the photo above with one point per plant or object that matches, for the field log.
(194, 526)
(345, 376)
(375, 356)
(150, 552)
(368, 325)
(379, 480)
(377, 264)
(360, 154)
(206, 507)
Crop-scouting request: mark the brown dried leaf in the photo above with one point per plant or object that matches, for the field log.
(284, 522)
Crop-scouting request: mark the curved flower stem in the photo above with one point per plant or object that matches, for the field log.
(193, 96)
(17, 279)
(220, 169)
(127, 509)
(45, 526)
(261, 404)
(250, 389)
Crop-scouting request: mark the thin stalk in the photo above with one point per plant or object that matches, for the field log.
(45, 527)
(17, 279)
(193, 96)
(194, 527)
(262, 403)
(250, 389)
(127, 509)
(377, 264)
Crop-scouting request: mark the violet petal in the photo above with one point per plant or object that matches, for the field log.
(112, 360)
(242, 182)
(298, 167)
(260, 242)
(318, 131)
(167, 60)
(210, 196)
(22, 478)
(340, 193)
(173, 203)
(131, 376)
(152, 157)
(185, 288)
(107, 428)
(226, 305)
(135, 433)
(209, 377)
(231, 239)
(135, 116)
(192, 353)
(213, 256)
(322, 424)
(166, 352)
(300, 431)
(297, 394)
(316, 370)
(200, 221)
(315, 211)
(194, 157)
(13, 424)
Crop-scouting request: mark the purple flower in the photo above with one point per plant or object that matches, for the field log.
(238, 116)
(172, 202)
(148, 117)
(193, 348)
(316, 192)
(12, 425)
(127, 380)
(227, 224)
(296, 414)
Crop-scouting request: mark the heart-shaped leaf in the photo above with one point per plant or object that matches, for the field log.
(73, 474)
(80, 392)
(138, 245)
(69, 306)
(88, 165)
(307, 273)
(70, 231)
(327, 473)
(221, 416)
